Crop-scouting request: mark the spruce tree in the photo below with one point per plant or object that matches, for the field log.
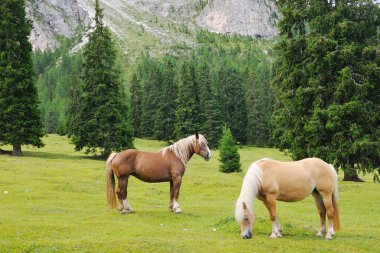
(327, 83)
(136, 103)
(229, 154)
(103, 118)
(152, 91)
(187, 113)
(210, 113)
(259, 101)
(165, 120)
(75, 94)
(19, 115)
(232, 99)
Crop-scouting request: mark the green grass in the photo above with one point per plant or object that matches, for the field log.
(56, 203)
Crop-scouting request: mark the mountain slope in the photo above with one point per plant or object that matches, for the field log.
(152, 24)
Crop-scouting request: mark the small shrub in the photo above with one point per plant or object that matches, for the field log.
(229, 155)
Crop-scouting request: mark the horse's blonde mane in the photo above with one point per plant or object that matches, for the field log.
(182, 149)
(249, 190)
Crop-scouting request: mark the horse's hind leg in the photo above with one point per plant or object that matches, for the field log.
(322, 212)
(121, 191)
(327, 201)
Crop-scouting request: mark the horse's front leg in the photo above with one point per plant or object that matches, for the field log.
(171, 195)
(175, 189)
(270, 203)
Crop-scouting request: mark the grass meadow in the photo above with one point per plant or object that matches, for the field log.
(56, 202)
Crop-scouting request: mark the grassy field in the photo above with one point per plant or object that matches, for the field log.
(56, 202)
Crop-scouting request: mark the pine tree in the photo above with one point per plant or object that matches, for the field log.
(326, 82)
(19, 116)
(103, 118)
(151, 101)
(233, 102)
(74, 97)
(210, 113)
(136, 103)
(229, 154)
(187, 113)
(259, 101)
(165, 120)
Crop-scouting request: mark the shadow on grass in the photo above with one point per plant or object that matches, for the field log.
(47, 155)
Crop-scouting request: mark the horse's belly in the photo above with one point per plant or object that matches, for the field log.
(292, 197)
(294, 193)
(152, 178)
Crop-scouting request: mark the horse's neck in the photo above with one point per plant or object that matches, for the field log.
(190, 153)
(251, 185)
(183, 151)
(247, 195)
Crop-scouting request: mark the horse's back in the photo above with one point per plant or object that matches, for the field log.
(294, 181)
(147, 166)
(301, 168)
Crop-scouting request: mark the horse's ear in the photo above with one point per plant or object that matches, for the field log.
(196, 135)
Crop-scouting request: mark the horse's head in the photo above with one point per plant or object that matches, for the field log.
(245, 218)
(201, 147)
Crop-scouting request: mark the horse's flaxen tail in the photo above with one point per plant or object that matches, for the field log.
(110, 179)
(335, 202)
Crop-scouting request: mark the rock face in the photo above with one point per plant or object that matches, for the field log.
(53, 19)
(246, 17)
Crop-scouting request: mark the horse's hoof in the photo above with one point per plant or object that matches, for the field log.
(177, 211)
(273, 236)
(126, 211)
(319, 234)
(328, 237)
(279, 235)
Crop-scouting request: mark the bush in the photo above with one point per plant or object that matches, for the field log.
(229, 155)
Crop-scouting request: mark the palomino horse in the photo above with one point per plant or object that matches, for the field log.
(270, 180)
(167, 165)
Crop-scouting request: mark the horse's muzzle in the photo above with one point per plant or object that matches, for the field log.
(207, 157)
(247, 235)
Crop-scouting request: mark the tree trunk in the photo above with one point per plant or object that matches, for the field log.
(17, 150)
(350, 174)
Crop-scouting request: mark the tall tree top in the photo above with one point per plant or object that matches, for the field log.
(98, 14)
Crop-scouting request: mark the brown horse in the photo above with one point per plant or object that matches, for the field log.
(270, 180)
(167, 165)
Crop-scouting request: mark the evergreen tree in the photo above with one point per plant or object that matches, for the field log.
(136, 103)
(233, 102)
(259, 101)
(75, 95)
(19, 116)
(151, 101)
(327, 83)
(229, 154)
(165, 120)
(210, 113)
(103, 117)
(187, 113)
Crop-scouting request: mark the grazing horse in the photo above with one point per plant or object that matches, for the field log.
(167, 165)
(270, 180)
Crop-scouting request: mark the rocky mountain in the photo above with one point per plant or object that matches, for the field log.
(150, 23)
(54, 19)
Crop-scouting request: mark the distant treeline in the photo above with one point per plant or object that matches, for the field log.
(224, 81)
